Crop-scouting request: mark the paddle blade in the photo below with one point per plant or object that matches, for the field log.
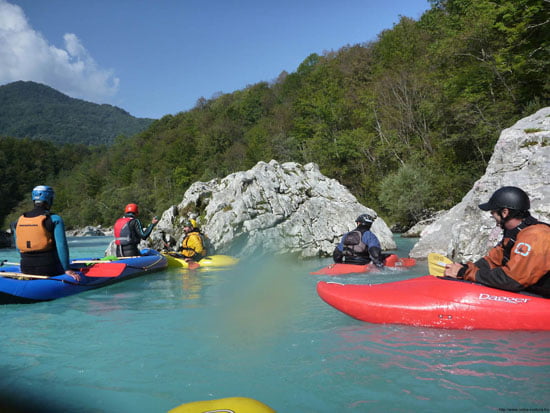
(436, 264)
(104, 269)
(193, 265)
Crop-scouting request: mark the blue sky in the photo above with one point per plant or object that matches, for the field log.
(157, 57)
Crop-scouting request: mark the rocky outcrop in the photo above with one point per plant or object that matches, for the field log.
(89, 231)
(416, 230)
(521, 158)
(272, 208)
(6, 239)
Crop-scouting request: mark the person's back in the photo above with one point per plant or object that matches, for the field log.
(129, 232)
(360, 246)
(40, 237)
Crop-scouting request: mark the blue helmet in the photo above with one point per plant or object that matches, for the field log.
(43, 193)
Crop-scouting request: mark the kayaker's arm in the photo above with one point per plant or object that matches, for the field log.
(374, 248)
(61, 241)
(143, 234)
(376, 256)
(482, 273)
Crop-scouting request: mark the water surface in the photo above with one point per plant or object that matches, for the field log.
(257, 330)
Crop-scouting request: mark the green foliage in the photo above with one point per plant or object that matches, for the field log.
(25, 164)
(32, 110)
(407, 122)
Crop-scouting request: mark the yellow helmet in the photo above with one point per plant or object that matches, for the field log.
(190, 223)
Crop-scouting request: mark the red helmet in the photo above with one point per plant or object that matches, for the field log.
(133, 208)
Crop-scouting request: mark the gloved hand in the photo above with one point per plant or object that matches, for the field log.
(376, 256)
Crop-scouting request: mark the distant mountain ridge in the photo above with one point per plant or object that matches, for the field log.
(33, 110)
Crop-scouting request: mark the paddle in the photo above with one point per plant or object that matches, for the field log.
(99, 270)
(109, 258)
(39, 277)
(106, 269)
(21, 275)
(436, 264)
(193, 265)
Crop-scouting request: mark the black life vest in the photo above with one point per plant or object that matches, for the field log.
(354, 245)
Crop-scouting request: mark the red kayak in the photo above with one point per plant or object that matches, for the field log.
(438, 302)
(391, 261)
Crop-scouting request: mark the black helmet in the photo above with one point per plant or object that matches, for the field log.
(507, 197)
(365, 219)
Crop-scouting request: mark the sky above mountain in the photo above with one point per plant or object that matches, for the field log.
(158, 57)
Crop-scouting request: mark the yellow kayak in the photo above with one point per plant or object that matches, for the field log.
(229, 404)
(178, 260)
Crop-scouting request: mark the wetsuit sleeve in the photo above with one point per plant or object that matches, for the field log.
(140, 232)
(482, 272)
(340, 246)
(14, 235)
(61, 241)
(371, 240)
(373, 247)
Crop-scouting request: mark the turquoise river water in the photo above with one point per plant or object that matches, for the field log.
(257, 330)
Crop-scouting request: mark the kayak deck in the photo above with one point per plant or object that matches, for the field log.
(437, 302)
(18, 288)
(392, 261)
(210, 261)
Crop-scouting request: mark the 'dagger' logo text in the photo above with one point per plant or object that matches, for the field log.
(510, 300)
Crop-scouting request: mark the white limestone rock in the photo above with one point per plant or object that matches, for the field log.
(521, 158)
(272, 208)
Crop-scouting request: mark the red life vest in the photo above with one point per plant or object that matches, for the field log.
(123, 235)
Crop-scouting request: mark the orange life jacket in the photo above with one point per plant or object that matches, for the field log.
(525, 257)
(32, 235)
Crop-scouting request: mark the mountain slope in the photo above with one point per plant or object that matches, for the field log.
(37, 111)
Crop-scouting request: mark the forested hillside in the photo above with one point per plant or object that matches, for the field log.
(36, 111)
(407, 122)
(25, 163)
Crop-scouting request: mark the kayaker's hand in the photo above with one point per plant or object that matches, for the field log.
(155, 221)
(74, 275)
(451, 270)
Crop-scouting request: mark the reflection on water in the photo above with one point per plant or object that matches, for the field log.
(471, 364)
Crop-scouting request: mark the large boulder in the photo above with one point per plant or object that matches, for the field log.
(89, 231)
(6, 239)
(272, 208)
(521, 158)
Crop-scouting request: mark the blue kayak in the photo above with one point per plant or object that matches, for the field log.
(18, 288)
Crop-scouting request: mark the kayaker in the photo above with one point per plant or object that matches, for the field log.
(521, 260)
(192, 245)
(360, 246)
(40, 238)
(129, 232)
